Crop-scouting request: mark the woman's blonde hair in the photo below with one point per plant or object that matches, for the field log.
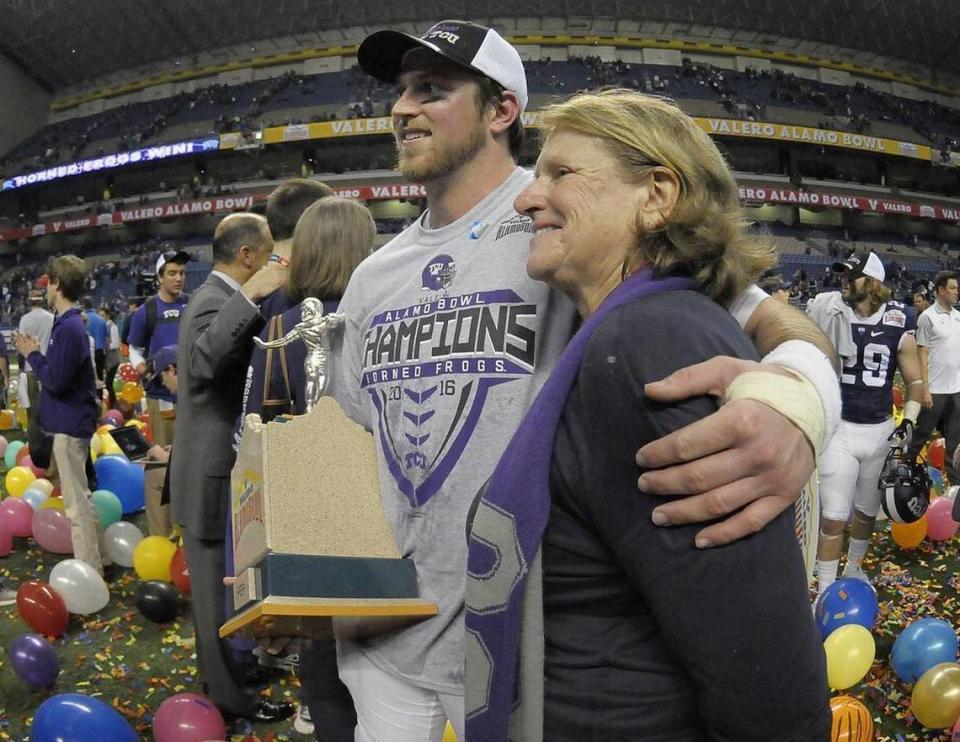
(332, 237)
(705, 235)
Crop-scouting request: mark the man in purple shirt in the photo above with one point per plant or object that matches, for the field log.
(155, 325)
(68, 399)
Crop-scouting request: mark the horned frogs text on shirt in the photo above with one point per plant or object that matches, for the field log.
(446, 343)
(487, 335)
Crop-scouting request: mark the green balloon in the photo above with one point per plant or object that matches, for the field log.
(10, 457)
(107, 506)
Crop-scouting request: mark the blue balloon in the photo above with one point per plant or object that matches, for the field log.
(117, 475)
(846, 601)
(73, 717)
(936, 478)
(922, 645)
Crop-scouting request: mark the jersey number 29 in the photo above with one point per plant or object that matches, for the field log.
(875, 360)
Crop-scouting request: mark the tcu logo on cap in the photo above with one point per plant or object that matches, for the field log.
(445, 35)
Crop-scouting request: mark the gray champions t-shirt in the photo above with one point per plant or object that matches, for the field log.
(447, 342)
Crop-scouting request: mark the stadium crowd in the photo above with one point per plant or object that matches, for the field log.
(516, 297)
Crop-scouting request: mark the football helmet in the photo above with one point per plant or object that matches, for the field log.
(904, 487)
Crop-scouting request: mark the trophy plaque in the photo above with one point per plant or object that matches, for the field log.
(310, 540)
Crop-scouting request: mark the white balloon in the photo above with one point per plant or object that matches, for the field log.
(80, 585)
(44, 485)
(119, 541)
(34, 497)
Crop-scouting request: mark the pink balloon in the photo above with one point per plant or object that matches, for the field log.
(18, 515)
(188, 717)
(3, 445)
(114, 416)
(51, 529)
(6, 539)
(940, 523)
(28, 462)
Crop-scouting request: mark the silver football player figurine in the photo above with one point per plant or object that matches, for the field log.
(312, 330)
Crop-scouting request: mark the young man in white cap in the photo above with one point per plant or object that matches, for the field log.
(155, 325)
(873, 336)
(447, 342)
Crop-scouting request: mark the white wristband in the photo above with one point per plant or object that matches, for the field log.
(812, 363)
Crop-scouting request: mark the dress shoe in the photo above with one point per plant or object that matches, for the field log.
(256, 675)
(265, 712)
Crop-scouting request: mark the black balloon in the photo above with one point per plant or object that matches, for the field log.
(158, 601)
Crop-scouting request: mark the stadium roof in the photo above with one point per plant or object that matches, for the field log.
(65, 43)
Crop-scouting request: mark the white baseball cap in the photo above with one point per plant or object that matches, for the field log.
(473, 46)
(172, 256)
(862, 264)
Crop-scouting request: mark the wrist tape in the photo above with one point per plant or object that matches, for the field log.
(794, 397)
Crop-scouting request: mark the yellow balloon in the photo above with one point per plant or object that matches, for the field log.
(936, 696)
(52, 503)
(109, 446)
(22, 417)
(131, 392)
(138, 424)
(18, 479)
(152, 557)
(448, 734)
(105, 429)
(96, 446)
(850, 650)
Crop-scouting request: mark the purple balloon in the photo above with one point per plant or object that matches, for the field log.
(34, 660)
(51, 529)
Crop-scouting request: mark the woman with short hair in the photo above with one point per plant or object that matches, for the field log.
(584, 620)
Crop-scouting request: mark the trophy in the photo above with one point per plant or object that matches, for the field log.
(310, 541)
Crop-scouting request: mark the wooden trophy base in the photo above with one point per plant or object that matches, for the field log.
(311, 618)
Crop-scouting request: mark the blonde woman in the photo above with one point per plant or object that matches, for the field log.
(584, 620)
(331, 238)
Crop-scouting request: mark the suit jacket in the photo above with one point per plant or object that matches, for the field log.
(213, 352)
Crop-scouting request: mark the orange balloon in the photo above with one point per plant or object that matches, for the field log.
(851, 720)
(23, 452)
(909, 535)
(7, 420)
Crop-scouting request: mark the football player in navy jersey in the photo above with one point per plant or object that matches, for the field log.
(873, 336)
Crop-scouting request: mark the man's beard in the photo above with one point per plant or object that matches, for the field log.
(852, 297)
(440, 161)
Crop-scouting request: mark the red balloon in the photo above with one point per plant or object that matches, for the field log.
(937, 453)
(897, 397)
(22, 454)
(179, 571)
(42, 608)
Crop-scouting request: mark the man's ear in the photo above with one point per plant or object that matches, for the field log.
(503, 112)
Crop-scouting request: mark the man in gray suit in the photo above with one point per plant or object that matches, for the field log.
(216, 339)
